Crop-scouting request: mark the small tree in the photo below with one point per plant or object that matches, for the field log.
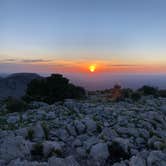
(53, 88)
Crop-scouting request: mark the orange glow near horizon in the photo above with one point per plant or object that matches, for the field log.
(84, 66)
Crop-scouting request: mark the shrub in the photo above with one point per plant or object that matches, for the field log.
(148, 90)
(51, 89)
(116, 93)
(15, 105)
(162, 93)
(46, 130)
(136, 96)
(30, 134)
(127, 92)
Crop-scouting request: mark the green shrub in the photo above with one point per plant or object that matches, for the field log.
(46, 130)
(15, 105)
(51, 89)
(30, 134)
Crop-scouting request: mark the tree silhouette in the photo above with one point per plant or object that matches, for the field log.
(53, 88)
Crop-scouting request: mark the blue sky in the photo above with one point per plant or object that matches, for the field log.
(120, 30)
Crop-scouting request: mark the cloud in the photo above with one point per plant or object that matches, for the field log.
(124, 65)
(35, 60)
(9, 60)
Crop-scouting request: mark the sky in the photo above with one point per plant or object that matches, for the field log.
(66, 36)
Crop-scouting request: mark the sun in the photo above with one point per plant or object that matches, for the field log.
(92, 68)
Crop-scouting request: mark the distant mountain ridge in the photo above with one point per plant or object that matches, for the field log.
(15, 84)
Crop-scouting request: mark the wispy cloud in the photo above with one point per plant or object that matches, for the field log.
(124, 65)
(35, 60)
(9, 60)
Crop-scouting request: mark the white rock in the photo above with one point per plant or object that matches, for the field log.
(38, 132)
(89, 142)
(137, 161)
(14, 147)
(62, 134)
(90, 124)
(157, 158)
(13, 119)
(19, 162)
(38, 104)
(2, 162)
(81, 152)
(109, 133)
(71, 130)
(69, 161)
(77, 143)
(49, 146)
(80, 127)
(163, 108)
(99, 151)
(22, 132)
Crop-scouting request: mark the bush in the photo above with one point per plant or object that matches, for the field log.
(46, 130)
(51, 89)
(30, 134)
(127, 92)
(15, 105)
(162, 93)
(148, 90)
(136, 96)
(116, 93)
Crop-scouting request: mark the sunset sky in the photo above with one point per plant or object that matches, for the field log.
(70, 35)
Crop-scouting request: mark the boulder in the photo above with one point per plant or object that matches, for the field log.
(38, 132)
(14, 147)
(51, 146)
(90, 142)
(90, 124)
(137, 161)
(68, 161)
(99, 152)
(13, 119)
(80, 127)
(157, 158)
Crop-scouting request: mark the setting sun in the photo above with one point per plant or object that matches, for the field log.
(92, 68)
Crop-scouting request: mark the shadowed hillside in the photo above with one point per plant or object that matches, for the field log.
(15, 84)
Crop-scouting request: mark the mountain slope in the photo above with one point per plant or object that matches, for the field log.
(16, 84)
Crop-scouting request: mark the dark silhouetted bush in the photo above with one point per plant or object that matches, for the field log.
(51, 89)
(15, 105)
(135, 96)
(162, 93)
(127, 92)
(148, 90)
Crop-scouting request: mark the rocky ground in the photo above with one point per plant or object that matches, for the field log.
(85, 133)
